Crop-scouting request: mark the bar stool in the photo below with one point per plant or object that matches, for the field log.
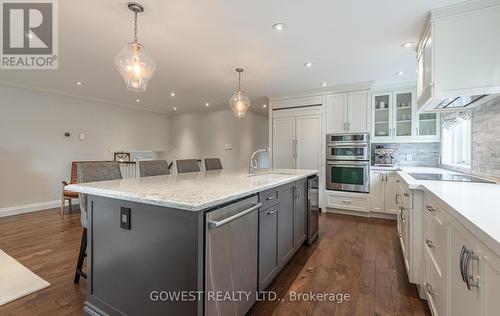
(149, 168)
(91, 172)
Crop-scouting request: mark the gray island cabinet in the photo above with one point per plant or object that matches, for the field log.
(162, 245)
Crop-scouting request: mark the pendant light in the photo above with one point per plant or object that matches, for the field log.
(133, 62)
(239, 102)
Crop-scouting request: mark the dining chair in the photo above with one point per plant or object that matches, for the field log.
(91, 172)
(187, 165)
(213, 164)
(149, 168)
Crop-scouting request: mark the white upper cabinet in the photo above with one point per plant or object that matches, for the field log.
(358, 111)
(458, 54)
(395, 118)
(336, 116)
(348, 112)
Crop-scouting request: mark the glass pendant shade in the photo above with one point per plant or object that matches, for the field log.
(239, 103)
(135, 66)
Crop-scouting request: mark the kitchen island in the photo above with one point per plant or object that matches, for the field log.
(191, 244)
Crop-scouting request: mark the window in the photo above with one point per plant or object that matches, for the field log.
(456, 143)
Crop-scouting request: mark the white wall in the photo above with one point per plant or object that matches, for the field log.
(35, 156)
(204, 134)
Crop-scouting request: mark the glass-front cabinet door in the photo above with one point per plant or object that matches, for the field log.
(382, 113)
(427, 124)
(403, 112)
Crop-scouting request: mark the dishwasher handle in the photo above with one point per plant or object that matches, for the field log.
(217, 224)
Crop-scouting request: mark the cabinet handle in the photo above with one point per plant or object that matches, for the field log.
(406, 194)
(429, 243)
(272, 197)
(271, 211)
(397, 201)
(430, 209)
(428, 288)
(462, 261)
(346, 202)
(386, 177)
(469, 278)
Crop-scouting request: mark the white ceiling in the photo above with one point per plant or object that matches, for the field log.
(197, 44)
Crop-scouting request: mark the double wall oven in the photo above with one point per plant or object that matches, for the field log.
(348, 162)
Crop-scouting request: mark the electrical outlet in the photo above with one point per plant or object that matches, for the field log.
(228, 146)
(409, 157)
(82, 136)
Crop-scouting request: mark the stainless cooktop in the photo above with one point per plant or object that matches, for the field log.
(448, 177)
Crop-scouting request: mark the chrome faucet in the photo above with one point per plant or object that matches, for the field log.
(252, 164)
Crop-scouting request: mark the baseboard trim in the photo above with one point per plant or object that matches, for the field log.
(361, 214)
(32, 207)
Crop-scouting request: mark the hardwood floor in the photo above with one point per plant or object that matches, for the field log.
(357, 256)
(48, 245)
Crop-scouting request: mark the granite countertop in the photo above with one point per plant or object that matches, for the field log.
(193, 191)
(475, 205)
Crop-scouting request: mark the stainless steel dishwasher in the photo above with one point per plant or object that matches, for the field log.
(231, 254)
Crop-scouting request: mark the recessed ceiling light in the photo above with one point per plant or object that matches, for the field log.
(137, 100)
(400, 73)
(408, 44)
(308, 64)
(175, 109)
(323, 84)
(264, 106)
(207, 104)
(172, 94)
(279, 27)
(79, 83)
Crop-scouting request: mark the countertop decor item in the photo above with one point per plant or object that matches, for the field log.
(122, 157)
(239, 102)
(133, 62)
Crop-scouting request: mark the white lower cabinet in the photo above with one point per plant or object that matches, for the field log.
(466, 297)
(384, 185)
(462, 275)
(377, 191)
(347, 201)
(491, 284)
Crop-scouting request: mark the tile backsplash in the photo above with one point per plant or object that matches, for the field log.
(486, 139)
(423, 154)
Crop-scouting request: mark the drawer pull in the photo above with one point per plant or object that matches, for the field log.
(272, 197)
(406, 194)
(271, 211)
(430, 209)
(429, 243)
(346, 201)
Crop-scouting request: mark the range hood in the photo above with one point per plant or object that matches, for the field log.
(467, 102)
(458, 62)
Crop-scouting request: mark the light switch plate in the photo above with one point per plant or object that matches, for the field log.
(82, 136)
(228, 146)
(125, 218)
(409, 157)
